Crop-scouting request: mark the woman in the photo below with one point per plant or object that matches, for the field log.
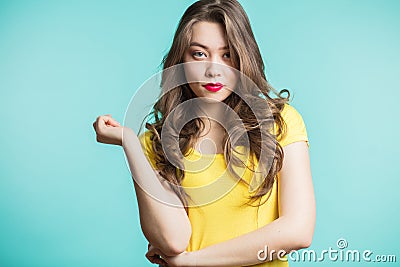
(243, 223)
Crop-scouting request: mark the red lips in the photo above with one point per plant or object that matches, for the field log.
(213, 87)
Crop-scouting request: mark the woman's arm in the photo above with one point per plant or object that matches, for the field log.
(163, 218)
(291, 231)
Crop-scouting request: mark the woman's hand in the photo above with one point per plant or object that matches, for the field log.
(154, 255)
(108, 130)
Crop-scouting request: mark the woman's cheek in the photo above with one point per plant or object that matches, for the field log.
(233, 79)
(194, 72)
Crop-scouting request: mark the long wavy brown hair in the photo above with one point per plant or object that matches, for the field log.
(246, 58)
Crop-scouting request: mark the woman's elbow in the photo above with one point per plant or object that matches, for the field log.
(176, 245)
(175, 242)
(173, 249)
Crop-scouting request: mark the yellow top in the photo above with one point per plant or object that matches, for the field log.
(218, 210)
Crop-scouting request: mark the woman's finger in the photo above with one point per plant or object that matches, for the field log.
(113, 122)
(109, 120)
(100, 121)
(153, 257)
(156, 260)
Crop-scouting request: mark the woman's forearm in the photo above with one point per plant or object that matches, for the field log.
(163, 218)
(267, 243)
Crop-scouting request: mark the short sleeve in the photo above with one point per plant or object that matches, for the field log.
(147, 147)
(295, 127)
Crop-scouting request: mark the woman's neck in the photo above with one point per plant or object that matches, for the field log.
(211, 138)
(213, 115)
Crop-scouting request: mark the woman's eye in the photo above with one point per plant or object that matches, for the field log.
(227, 55)
(198, 54)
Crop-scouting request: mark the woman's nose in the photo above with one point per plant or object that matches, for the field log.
(213, 69)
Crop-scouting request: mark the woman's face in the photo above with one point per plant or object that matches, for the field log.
(214, 76)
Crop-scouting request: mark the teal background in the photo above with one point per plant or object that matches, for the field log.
(66, 200)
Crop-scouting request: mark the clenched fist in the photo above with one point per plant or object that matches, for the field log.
(108, 130)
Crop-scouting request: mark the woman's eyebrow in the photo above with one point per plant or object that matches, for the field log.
(205, 47)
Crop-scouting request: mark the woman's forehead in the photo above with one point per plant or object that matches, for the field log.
(209, 35)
